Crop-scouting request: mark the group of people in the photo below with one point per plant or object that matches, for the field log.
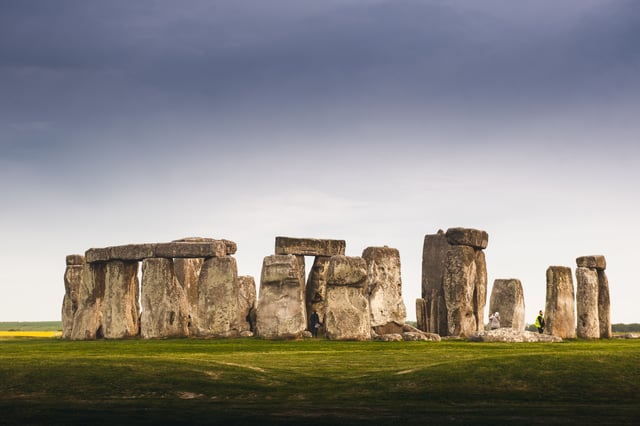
(495, 321)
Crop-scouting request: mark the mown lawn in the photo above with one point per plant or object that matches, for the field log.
(251, 381)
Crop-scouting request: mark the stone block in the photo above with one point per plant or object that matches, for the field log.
(596, 261)
(434, 254)
(384, 286)
(309, 246)
(204, 249)
(231, 247)
(73, 276)
(468, 237)
(588, 326)
(187, 271)
(347, 271)
(121, 304)
(459, 286)
(507, 297)
(480, 291)
(87, 321)
(75, 259)
(246, 303)
(560, 317)
(218, 298)
(97, 255)
(316, 289)
(604, 305)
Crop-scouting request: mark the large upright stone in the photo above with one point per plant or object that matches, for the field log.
(165, 311)
(507, 297)
(316, 289)
(87, 322)
(468, 237)
(309, 246)
(347, 315)
(480, 290)
(604, 305)
(384, 287)
(560, 306)
(187, 271)
(218, 298)
(121, 306)
(281, 310)
(588, 326)
(459, 287)
(72, 282)
(434, 254)
(246, 303)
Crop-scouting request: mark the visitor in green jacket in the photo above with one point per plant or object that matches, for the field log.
(540, 322)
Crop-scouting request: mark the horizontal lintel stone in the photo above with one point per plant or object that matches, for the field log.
(309, 246)
(185, 249)
(231, 246)
(138, 252)
(468, 237)
(595, 261)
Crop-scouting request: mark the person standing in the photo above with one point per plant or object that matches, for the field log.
(495, 320)
(315, 323)
(540, 322)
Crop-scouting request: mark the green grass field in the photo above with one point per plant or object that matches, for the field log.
(252, 381)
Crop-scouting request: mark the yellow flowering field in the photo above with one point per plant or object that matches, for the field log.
(4, 334)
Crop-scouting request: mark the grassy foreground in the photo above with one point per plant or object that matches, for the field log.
(251, 381)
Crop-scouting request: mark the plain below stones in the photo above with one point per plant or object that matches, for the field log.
(507, 298)
(597, 261)
(588, 326)
(165, 311)
(560, 317)
(384, 286)
(281, 306)
(218, 298)
(468, 237)
(309, 246)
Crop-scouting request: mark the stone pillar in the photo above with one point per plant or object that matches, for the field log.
(187, 271)
(422, 321)
(281, 312)
(246, 303)
(347, 315)
(588, 326)
(384, 289)
(87, 322)
(604, 305)
(560, 317)
(72, 283)
(458, 284)
(316, 289)
(434, 252)
(218, 298)
(507, 297)
(121, 307)
(165, 311)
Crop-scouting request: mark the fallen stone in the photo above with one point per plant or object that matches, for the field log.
(165, 309)
(394, 337)
(507, 298)
(309, 247)
(596, 261)
(246, 333)
(281, 306)
(121, 305)
(384, 286)
(588, 326)
(509, 335)
(218, 298)
(426, 337)
(468, 237)
(391, 327)
(560, 317)
(459, 285)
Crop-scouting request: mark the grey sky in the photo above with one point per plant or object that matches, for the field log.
(372, 121)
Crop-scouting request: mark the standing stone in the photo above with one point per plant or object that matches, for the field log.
(434, 253)
(480, 290)
(281, 310)
(87, 322)
(347, 315)
(507, 297)
(422, 321)
(72, 283)
(588, 326)
(316, 289)
(560, 309)
(121, 307)
(459, 286)
(218, 298)
(187, 271)
(165, 311)
(384, 287)
(604, 305)
(246, 303)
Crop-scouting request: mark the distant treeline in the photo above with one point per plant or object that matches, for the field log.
(31, 326)
(625, 328)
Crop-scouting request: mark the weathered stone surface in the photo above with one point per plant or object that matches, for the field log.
(187, 271)
(316, 290)
(588, 326)
(73, 275)
(596, 261)
(459, 286)
(246, 303)
(434, 253)
(309, 246)
(560, 304)
(392, 327)
(281, 306)
(131, 252)
(480, 290)
(388, 337)
(604, 306)
(512, 336)
(384, 286)
(468, 237)
(87, 322)
(347, 315)
(97, 255)
(231, 246)
(75, 259)
(191, 249)
(165, 311)
(121, 305)
(507, 297)
(421, 315)
(218, 298)
(408, 328)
